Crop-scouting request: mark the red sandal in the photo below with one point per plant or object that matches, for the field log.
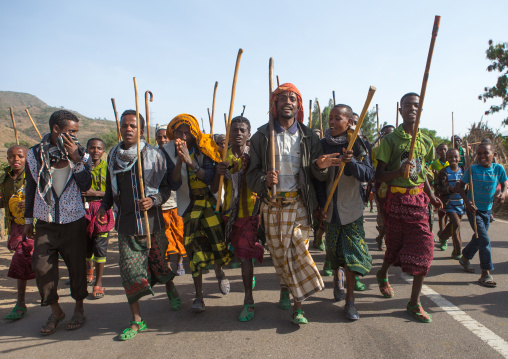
(98, 292)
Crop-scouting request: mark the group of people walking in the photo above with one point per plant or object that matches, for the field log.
(61, 201)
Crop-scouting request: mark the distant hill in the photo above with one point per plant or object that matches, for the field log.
(40, 112)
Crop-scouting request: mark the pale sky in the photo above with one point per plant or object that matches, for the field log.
(79, 54)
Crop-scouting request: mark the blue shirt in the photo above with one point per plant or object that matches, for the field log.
(485, 181)
(455, 204)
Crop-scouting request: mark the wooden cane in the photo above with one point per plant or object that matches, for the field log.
(320, 117)
(397, 116)
(370, 94)
(147, 114)
(453, 133)
(213, 105)
(210, 121)
(203, 125)
(377, 118)
(228, 125)
(116, 118)
(33, 123)
(468, 165)
(310, 114)
(225, 120)
(333, 93)
(278, 81)
(271, 124)
(14, 126)
(435, 29)
(140, 167)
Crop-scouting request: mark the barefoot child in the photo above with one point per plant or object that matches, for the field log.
(12, 198)
(486, 176)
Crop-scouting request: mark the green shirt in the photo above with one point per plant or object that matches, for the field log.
(99, 176)
(394, 150)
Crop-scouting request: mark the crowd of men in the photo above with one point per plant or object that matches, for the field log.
(62, 200)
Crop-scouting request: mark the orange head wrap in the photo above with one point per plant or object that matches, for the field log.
(290, 88)
(203, 141)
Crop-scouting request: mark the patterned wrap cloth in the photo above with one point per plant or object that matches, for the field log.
(409, 242)
(21, 264)
(141, 268)
(287, 236)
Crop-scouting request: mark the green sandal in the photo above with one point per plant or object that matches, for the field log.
(285, 302)
(418, 315)
(327, 269)
(359, 286)
(14, 315)
(298, 318)
(253, 282)
(386, 291)
(245, 314)
(130, 333)
(174, 301)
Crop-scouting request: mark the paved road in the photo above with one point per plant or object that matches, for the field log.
(469, 320)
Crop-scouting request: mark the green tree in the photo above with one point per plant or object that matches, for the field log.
(110, 139)
(325, 113)
(437, 140)
(498, 54)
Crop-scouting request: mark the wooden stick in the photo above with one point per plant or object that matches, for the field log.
(147, 114)
(310, 114)
(437, 19)
(271, 124)
(210, 121)
(116, 118)
(333, 93)
(377, 118)
(225, 120)
(468, 165)
(231, 106)
(140, 167)
(320, 117)
(213, 106)
(203, 125)
(243, 111)
(14, 126)
(397, 116)
(370, 94)
(33, 123)
(278, 81)
(453, 133)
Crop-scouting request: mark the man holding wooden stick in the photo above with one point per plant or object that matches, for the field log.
(140, 267)
(287, 217)
(409, 242)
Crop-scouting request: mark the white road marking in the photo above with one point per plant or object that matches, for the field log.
(488, 336)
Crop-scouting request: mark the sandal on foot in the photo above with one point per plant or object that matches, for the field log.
(351, 312)
(15, 315)
(422, 317)
(224, 286)
(98, 292)
(285, 302)
(89, 276)
(298, 317)
(198, 306)
(467, 266)
(52, 320)
(359, 286)
(487, 281)
(77, 321)
(456, 257)
(386, 290)
(253, 282)
(327, 269)
(246, 314)
(175, 302)
(180, 269)
(444, 245)
(130, 333)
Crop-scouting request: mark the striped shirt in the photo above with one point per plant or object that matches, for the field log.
(485, 181)
(455, 204)
(287, 157)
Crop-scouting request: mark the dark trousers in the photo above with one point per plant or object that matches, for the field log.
(452, 229)
(70, 240)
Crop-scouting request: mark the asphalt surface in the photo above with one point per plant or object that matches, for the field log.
(384, 330)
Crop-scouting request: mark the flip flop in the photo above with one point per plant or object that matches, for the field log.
(285, 302)
(130, 333)
(180, 269)
(418, 315)
(224, 285)
(246, 315)
(467, 267)
(487, 281)
(14, 315)
(53, 320)
(298, 317)
(175, 302)
(98, 292)
(387, 291)
(198, 306)
(77, 321)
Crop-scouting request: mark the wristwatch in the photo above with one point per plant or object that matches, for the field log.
(197, 168)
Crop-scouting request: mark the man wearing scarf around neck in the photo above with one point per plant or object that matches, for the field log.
(287, 219)
(140, 268)
(57, 172)
(409, 241)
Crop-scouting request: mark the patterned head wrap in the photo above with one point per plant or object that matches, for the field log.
(283, 88)
(205, 142)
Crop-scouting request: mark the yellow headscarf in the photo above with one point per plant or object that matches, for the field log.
(205, 142)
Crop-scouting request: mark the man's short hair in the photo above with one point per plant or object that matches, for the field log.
(241, 119)
(61, 118)
(17, 146)
(349, 110)
(133, 112)
(94, 139)
(407, 95)
(387, 126)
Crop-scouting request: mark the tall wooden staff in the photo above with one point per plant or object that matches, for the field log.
(231, 105)
(271, 123)
(203, 125)
(437, 19)
(377, 118)
(468, 165)
(210, 120)
(278, 81)
(397, 116)
(453, 133)
(116, 118)
(33, 123)
(213, 107)
(147, 114)
(310, 113)
(225, 120)
(14, 126)
(320, 117)
(140, 167)
(333, 93)
(372, 90)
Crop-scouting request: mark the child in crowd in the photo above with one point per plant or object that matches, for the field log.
(437, 166)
